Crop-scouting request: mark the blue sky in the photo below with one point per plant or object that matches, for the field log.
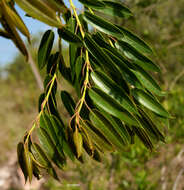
(7, 48)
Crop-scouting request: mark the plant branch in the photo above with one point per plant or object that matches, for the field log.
(176, 80)
(43, 106)
(77, 18)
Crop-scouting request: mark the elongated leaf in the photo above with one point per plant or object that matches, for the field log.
(78, 67)
(149, 102)
(74, 50)
(49, 126)
(8, 24)
(68, 102)
(36, 171)
(115, 9)
(40, 156)
(149, 125)
(78, 141)
(69, 36)
(105, 61)
(103, 125)
(39, 10)
(110, 106)
(119, 60)
(134, 41)
(117, 126)
(102, 25)
(21, 159)
(52, 64)
(28, 163)
(121, 128)
(137, 57)
(97, 137)
(45, 48)
(57, 5)
(88, 145)
(59, 127)
(143, 136)
(42, 159)
(49, 147)
(95, 4)
(108, 86)
(65, 71)
(18, 22)
(147, 81)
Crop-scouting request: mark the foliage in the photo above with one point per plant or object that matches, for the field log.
(109, 69)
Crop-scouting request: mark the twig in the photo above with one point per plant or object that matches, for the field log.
(176, 80)
(178, 179)
(35, 72)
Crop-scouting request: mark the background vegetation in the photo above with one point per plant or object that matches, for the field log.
(160, 23)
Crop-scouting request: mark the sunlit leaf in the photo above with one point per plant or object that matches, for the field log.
(134, 41)
(110, 106)
(102, 25)
(137, 57)
(115, 9)
(149, 102)
(108, 86)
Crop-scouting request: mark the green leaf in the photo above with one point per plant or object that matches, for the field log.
(96, 156)
(147, 81)
(39, 10)
(105, 61)
(45, 48)
(108, 86)
(110, 106)
(74, 50)
(53, 61)
(119, 60)
(97, 137)
(65, 72)
(134, 41)
(40, 156)
(21, 159)
(115, 9)
(143, 136)
(48, 123)
(122, 65)
(60, 132)
(57, 5)
(78, 141)
(68, 102)
(40, 101)
(107, 129)
(69, 36)
(78, 67)
(28, 163)
(42, 159)
(88, 145)
(150, 127)
(78, 82)
(121, 128)
(95, 4)
(136, 56)
(36, 171)
(149, 102)
(50, 148)
(102, 25)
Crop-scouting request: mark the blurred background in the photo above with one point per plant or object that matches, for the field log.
(161, 24)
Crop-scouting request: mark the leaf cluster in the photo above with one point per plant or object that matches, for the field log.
(108, 67)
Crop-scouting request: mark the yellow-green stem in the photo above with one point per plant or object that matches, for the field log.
(86, 81)
(43, 106)
(77, 18)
